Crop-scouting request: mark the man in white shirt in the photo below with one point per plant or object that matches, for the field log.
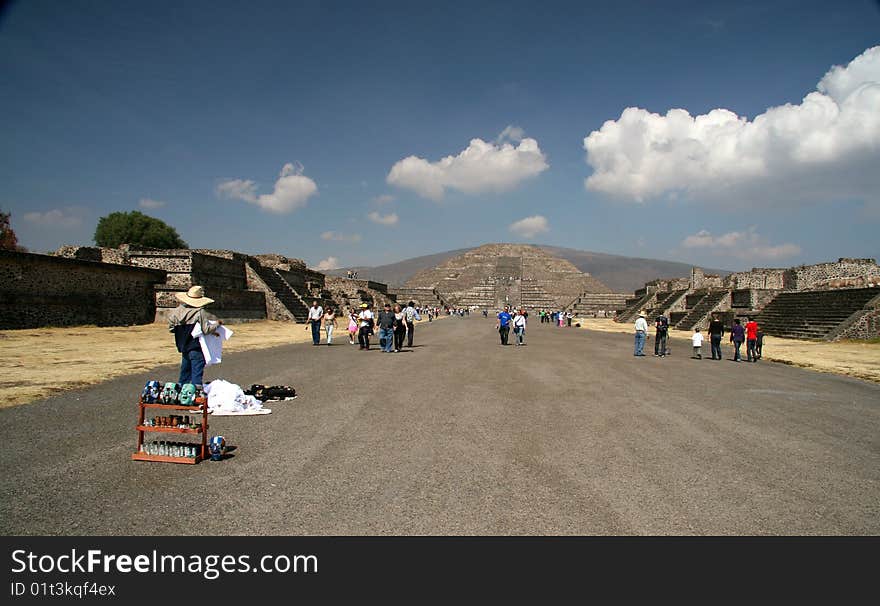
(316, 312)
(641, 334)
(410, 315)
(365, 325)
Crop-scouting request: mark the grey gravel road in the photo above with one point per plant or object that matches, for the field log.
(568, 435)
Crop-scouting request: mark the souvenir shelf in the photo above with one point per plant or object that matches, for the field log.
(201, 447)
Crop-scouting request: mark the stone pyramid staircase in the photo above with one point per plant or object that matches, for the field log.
(813, 314)
(634, 306)
(665, 301)
(283, 291)
(706, 305)
(534, 296)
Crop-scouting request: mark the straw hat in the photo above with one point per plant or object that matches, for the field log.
(641, 314)
(194, 297)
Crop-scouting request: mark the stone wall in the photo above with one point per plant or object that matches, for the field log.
(47, 290)
(229, 304)
(117, 256)
(845, 273)
(757, 277)
(753, 299)
(667, 284)
(349, 294)
(867, 326)
(701, 280)
(188, 268)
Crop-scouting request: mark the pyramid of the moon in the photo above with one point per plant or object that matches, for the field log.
(499, 274)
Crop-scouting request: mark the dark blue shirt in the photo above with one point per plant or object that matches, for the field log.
(504, 318)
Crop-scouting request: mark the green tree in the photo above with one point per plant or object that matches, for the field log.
(136, 228)
(8, 239)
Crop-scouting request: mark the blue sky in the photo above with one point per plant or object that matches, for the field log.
(318, 129)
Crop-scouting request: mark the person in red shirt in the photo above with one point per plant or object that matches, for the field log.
(752, 339)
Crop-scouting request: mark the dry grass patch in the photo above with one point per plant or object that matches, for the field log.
(40, 362)
(860, 359)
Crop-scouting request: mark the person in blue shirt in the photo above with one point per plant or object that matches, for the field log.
(503, 325)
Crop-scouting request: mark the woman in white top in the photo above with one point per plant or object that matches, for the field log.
(329, 321)
(400, 328)
(519, 327)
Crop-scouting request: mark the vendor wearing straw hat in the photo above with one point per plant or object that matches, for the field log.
(181, 322)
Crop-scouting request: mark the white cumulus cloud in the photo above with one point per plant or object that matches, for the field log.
(327, 264)
(481, 167)
(149, 203)
(746, 244)
(335, 236)
(389, 219)
(530, 226)
(292, 190)
(65, 218)
(821, 147)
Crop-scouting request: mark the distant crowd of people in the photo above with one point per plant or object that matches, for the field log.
(394, 324)
(750, 334)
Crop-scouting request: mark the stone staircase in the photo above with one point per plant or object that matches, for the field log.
(812, 314)
(534, 296)
(283, 291)
(634, 306)
(665, 301)
(509, 267)
(706, 305)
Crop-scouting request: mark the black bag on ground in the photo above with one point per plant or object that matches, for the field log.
(274, 392)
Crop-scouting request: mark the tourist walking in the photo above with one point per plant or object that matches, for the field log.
(661, 333)
(641, 327)
(697, 342)
(737, 336)
(386, 324)
(399, 328)
(519, 327)
(716, 331)
(503, 325)
(365, 326)
(752, 340)
(759, 345)
(410, 314)
(352, 326)
(315, 315)
(329, 324)
(181, 322)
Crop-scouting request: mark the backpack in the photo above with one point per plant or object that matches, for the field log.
(275, 392)
(663, 327)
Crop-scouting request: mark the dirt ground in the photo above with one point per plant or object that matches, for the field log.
(851, 358)
(40, 362)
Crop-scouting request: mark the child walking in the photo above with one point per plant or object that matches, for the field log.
(697, 342)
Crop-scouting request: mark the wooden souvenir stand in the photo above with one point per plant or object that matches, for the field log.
(202, 447)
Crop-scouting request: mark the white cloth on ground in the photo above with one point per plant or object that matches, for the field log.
(224, 396)
(212, 344)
